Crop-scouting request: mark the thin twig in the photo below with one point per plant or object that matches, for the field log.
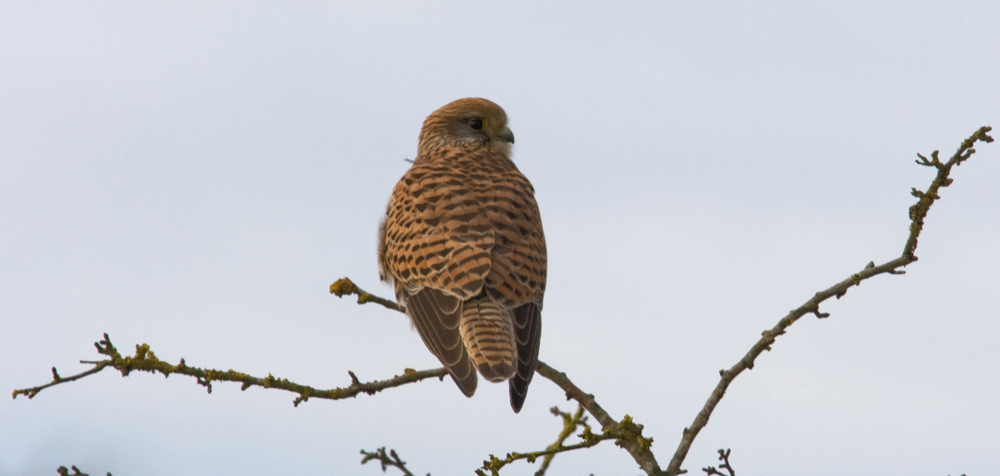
(346, 286)
(724, 457)
(494, 464)
(145, 360)
(570, 423)
(917, 214)
(56, 380)
(387, 460)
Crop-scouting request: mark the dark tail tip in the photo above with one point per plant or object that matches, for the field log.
(518, 392)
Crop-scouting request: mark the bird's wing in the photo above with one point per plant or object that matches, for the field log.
(527, 333)
(436, 316)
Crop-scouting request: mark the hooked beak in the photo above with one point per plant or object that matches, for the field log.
(506, 135)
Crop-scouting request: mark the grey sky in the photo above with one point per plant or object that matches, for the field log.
(194, 176)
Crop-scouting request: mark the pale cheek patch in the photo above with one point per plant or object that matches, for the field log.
(503, 148)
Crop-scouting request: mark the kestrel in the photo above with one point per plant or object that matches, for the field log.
(463, 247)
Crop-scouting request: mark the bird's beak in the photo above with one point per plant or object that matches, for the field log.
(506, 135)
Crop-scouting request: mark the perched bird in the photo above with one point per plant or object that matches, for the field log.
(463, 247)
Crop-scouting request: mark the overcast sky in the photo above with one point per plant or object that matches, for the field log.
(194, 175)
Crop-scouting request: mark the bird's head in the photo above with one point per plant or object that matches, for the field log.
(473, 122)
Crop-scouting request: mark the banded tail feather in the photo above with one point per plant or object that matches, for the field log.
(489, 338)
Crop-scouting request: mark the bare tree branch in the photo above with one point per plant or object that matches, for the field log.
(630, 439)
(917, 214)
(724, 457)
(145, 360)
(387, 460)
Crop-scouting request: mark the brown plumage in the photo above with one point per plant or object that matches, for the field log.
(462, 244)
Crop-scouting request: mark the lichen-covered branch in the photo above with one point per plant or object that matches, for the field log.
(917, 214)
(145, 360)
(387, 460)
(925, 199)
(494, 464)
(630, 434)
(346, 286)
(570, 423)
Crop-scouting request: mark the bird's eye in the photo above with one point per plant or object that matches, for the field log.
(476, 124)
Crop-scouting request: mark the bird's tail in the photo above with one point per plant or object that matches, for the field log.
(488, 333)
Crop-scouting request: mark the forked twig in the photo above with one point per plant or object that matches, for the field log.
(386, 460)
(724, 457)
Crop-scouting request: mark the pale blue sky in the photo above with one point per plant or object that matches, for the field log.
(194, 175)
